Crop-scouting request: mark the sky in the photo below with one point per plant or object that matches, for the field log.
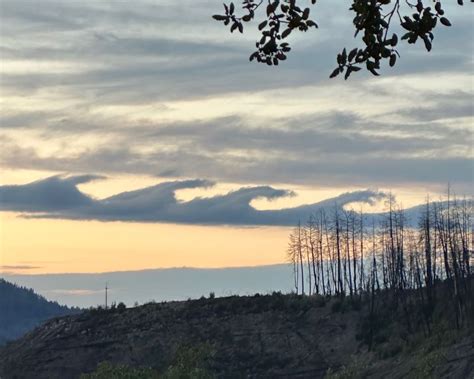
(136, 135)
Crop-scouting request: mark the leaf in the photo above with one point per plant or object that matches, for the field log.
(445, 21)
(286, 33)
(253, 56)
(270, 9)
(375, 73)
(419, 7)
(394, 40)
(427, 43)
(305, 14)
(393, 60)
(262, 25)
(219, 17)
(348, 72)
(344, 56)
(334, 73)
(352, 54)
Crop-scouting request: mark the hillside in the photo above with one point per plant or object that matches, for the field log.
(261, 336)
(21, 310)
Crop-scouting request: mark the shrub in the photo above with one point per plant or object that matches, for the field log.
(106, 370)
(355, 370)
(426, 365)
(190, 363)
(337, 306)
(121, 307)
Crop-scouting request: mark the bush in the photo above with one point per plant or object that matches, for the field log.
(319, 301)
(121, 307)
(426, 365)
(106, 370)
(190, 363)
(338, 306)
(355, 370)
(391, 349)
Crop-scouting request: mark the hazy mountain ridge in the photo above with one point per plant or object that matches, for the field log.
(21, 309)
(87, 289)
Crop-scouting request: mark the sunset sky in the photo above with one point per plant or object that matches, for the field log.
(100, 98)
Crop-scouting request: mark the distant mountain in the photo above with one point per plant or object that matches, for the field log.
(21, 310)
(87, 289)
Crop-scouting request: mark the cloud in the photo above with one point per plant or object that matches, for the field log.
(337, 148)
(59, 197)
(158, 88)
(17, 267)
(175, 51)
(51, 194)
(75, 292)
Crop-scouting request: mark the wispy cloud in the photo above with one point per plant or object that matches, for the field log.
(17, 267)
(75, 292)
(158, 88)
(334, 148)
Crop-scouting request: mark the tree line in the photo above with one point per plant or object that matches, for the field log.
(342, 253)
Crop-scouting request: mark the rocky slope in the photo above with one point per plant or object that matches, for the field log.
(261, 336)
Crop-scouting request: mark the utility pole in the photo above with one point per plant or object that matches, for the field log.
(106, 288)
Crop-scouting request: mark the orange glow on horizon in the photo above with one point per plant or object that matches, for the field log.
(60, 246)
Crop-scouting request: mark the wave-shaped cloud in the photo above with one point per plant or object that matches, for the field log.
(59, 197)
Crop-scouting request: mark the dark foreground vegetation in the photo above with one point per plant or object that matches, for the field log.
(275, 335)
(21, 309)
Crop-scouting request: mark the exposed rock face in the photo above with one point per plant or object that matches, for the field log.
(254, 337)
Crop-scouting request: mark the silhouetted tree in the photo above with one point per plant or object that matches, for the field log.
(403, 258)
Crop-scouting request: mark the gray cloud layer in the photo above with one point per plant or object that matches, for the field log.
(151, 52)
(59, 197)
(334, 148)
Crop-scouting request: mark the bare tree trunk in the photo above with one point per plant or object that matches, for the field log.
(340, 288)
(300, 256)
